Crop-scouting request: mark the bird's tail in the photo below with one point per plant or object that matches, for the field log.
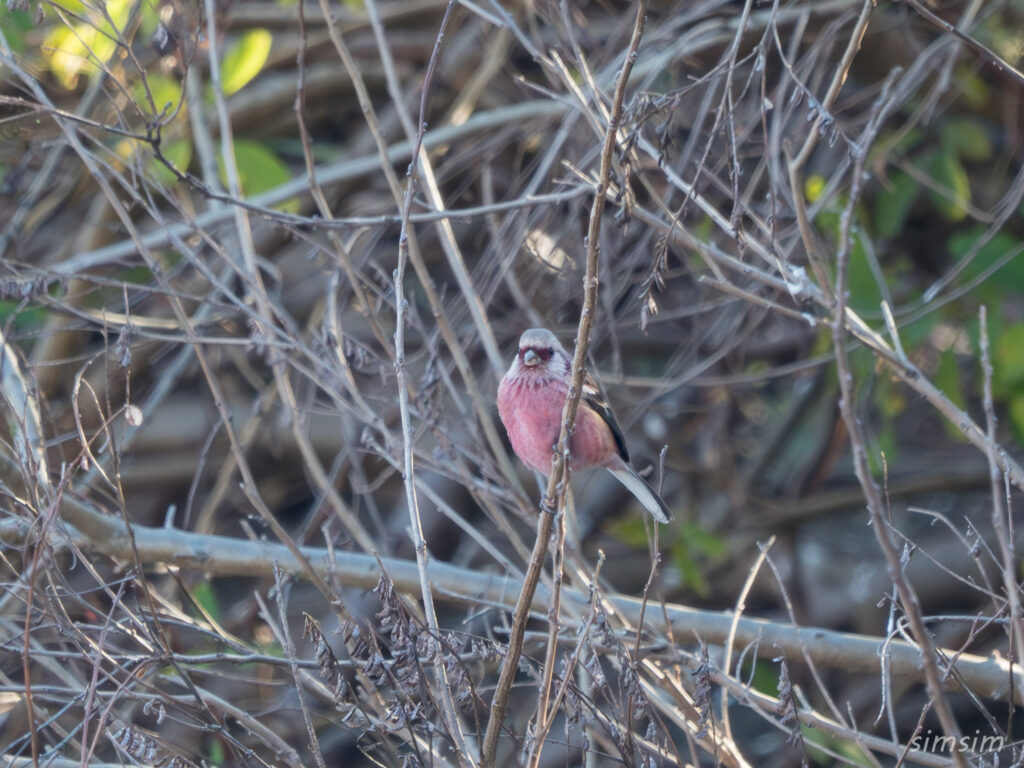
(644, 493)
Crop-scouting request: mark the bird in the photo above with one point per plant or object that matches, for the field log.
(531, 397)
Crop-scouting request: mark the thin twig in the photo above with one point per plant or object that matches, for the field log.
(738, 610)
(858, 442)
(991, 56)
(545, 716)
(554, 496)
(450, 714)
(1001, 519)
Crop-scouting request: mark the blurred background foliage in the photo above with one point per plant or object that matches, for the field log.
(736, 391)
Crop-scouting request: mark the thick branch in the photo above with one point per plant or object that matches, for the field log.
(990, 677)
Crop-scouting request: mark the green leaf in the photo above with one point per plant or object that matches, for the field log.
(893, 145)
(762, 675)
(66, 54)
(72, 51)
(204, 595)
(814, 187)
(15, 24)
(953, 191)
(259, 170)
(165, 91)
(141, 276)
(244, 60)
(892, 400)
(947, 379)
(968, 138)
(818, 742)
(75, 7)
(149, 19)
(815, 740)
(861, 283)
(1001, 247)
(853, 752)
(1008, 362)
(883, 450)
(180, 155)
(694, 547)
(631, 531)
(848, 748)
(1017, 416)
(217, 754)
(975, 89)
(918, 332)
(894, 203)
(24, 318)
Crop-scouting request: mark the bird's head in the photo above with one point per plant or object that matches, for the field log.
(541, 356)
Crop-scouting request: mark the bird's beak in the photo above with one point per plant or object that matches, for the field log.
(531, 358)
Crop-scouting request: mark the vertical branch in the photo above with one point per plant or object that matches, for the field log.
(795, 164)
(544, 718)
(449, 713)
(284, 638)
(416, 144)
(446, 234)
(858, 448)
(554, 496)
(1000, 517)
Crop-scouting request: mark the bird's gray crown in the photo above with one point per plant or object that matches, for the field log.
(539, 338)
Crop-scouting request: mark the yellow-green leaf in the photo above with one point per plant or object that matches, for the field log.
(947, 378)
(66, 54)
(165, 92)
(1008, 362)
(1017, 416)
(259, 170)
(76, 7)
(15, 24)
(1003, 249)
(179, 153)
(861, 280)
(244, 60)
(968, 138)
(80, 48)
(953, 191)
(204, 595)
(24, 318)
(813, 188)
(893, 204)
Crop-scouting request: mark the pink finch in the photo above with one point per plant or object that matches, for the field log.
(530, 402)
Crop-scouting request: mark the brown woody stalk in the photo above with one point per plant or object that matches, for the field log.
(554, 497)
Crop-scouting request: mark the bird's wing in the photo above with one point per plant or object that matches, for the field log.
(595, 400)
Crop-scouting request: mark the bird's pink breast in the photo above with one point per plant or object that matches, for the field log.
(532, 413)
